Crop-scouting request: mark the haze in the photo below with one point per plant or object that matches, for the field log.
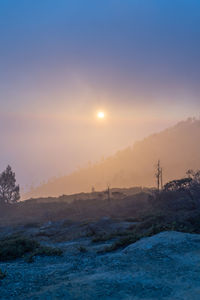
(62, 61)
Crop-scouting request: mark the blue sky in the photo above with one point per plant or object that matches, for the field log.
(62, 60)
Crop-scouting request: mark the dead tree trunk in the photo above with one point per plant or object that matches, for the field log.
(159, 176)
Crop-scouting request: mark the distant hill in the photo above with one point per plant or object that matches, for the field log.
(177, 147)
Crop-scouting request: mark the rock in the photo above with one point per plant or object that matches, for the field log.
(166, 240)
(161, 267)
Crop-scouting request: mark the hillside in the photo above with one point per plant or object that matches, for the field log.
(139, 244)
(177, 147)
(163, 267)
(143, 246)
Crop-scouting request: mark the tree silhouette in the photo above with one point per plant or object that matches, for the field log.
(178, 185)
(159, 176)
(9, 191)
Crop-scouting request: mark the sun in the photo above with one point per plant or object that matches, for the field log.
(101, 115)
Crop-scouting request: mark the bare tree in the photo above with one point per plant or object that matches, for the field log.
(159, 176)
(9, 191)
(107, 192)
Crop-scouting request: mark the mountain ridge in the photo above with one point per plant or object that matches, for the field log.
(178, 148)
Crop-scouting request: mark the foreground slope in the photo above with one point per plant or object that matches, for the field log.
(164, 266)
(177, 147)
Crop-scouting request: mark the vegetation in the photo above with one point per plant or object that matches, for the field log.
(177, 147)
(2, 274)
(146, 229)
(43, 251)
(175, 207)
(9, 191)
(102, 238)
(82, 249)
(178, 185)
(14, 247)
(121, 243)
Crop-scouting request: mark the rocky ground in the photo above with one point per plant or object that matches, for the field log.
(164, 266)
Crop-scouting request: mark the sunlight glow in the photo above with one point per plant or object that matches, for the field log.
(101, 115)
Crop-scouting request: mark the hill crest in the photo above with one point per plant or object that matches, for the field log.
(177, 147)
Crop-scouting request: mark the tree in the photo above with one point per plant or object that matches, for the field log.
(107, 192)
(9, 191)
(159, 176)
(178, 185)
(195, 176)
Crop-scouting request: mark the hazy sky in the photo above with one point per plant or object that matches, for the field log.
(62, 60)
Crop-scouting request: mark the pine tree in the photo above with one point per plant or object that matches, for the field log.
(9, 191)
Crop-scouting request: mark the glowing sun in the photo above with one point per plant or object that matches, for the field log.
(101, 115)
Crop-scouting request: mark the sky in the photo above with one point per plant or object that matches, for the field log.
(62, 61)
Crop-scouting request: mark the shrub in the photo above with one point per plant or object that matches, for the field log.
(43, 251)
(82, 249)
(102, 238)
(16, 247)
(122, 242)
(47, 251)
(2, 274)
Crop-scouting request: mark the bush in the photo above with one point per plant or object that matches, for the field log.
(16, 247)
(2, 274)
(47, 251)
(82, 249)
(102, 238)
(43, 251)
(122, 242)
